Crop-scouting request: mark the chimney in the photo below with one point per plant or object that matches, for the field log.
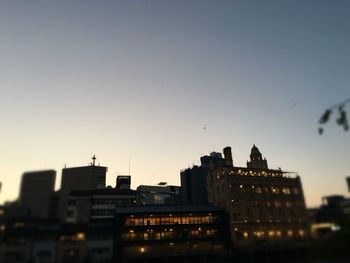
(228, 156)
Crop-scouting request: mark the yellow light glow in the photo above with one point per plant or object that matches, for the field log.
(80, 236)
(142, 249)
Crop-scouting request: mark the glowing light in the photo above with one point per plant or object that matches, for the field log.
(80, 236)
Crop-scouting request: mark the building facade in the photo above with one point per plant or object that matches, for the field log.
(151, 232)
(263, 204)
(194, 189)
(158, 194)
(87, 206)
(36, 193)
(80, 178)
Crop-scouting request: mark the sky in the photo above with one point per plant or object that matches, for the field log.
(137, 81)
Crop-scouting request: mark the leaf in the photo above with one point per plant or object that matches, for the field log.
(342, 120)
(325, 117)
(320, 131)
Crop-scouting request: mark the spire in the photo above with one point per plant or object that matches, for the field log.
(93, 160)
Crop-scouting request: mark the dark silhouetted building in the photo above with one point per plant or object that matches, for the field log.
(194, 180)
(37, 189)
(80, 178)
(123, 182)
(263, 204)
(256, 160)
(348, 182)
(86, 206)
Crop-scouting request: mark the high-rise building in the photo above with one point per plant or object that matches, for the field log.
(348, 182)
(194, 180)
(263, 204)
(80, 178)
(37, 189)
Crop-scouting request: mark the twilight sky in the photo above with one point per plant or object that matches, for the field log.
(138, 81)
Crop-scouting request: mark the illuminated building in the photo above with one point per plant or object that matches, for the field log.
(263, 204)
(167, 231)
(80, 178)
(36, 193)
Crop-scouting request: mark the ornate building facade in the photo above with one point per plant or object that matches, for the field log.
(263, 204)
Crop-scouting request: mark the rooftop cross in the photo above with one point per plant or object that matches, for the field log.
(93, 160)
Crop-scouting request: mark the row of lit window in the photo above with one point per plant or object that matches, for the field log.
(76, 237)
(265, 204)
(262, 189)
(263, 218)
(169, 220)
(249, 173)
(168, 234)
(270, 234)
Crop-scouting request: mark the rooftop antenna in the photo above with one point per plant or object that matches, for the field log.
(93, 160)
(129, 167)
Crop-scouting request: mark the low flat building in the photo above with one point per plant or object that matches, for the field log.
(148, 232)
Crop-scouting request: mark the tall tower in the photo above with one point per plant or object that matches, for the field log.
(256, 160)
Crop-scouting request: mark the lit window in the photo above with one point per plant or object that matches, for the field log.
(245, 235)
(271, 233)
(80, 236)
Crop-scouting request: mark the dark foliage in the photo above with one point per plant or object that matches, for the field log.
(341, 120)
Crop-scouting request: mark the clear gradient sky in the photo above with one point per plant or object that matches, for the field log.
(139, 80)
